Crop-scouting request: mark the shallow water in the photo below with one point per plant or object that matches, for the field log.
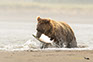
(18, 36)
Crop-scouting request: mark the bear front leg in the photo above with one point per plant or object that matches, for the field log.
(45, 45)
(68, 45)
(58, 44)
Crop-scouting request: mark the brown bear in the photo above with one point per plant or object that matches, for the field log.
(60, 32)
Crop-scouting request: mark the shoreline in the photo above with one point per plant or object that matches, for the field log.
(47, 56)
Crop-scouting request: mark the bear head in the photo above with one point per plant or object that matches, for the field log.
(44, 25)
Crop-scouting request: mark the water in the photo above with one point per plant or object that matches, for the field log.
(18, 36)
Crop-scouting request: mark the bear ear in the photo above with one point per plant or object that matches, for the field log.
(38, 18)
(47, 20)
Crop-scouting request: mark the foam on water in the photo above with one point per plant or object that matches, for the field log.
(28, 45)
(35, 45)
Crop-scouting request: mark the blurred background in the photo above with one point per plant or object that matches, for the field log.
(71, 11)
